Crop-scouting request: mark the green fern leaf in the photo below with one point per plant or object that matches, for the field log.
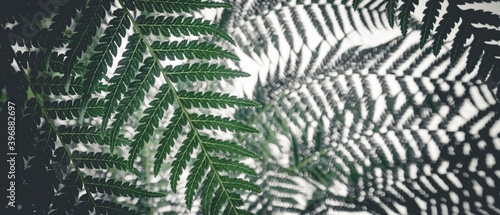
(69, 109)
(355, 4)
(133, 97)
(175, 6)
(444, 28)
(405, 15)
(63, 20)
(85, 29)
(55, 86)
(214, 122)
(174, 128)
(123, 75)
(218, 201)
(431, 13)
(235, 201)
(487, 63)
(195, 176)
(102, 207)
(118, 188)
(457, 48)
(213, 100)
(191, 50)
(475, 52)
(80, 134)
(105, 50)
(101, 160)
(227, 165)
(181, 159)
(148, 123)
(236, 183)
(214, 145)
(207, 190)
(391, 11)
(178, 26)
(201, 72)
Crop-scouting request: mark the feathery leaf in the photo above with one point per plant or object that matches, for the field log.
(201, 72)
(431, 13)
(105, 50)
(178, 26)
(167, 141)
(191, 50)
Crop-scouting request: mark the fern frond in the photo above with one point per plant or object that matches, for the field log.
(190, 50)
(215, 145)
(85, 29)
(103, 207)
(123, 75)
(236, 183)
(475, 52)
(207, 190)
(105, 50)
(175, 6)
(213, 100)
(69, 109)
(227, 165)
(148, 123)
(99, 160)
(133, 97)
(167, 141)
(201, 72)
(181, 159)
(62, 20)
(431, 13)
(458, 46)
(56, 86)
(178, 26)
(391, 11)
(196, 174)
(217, 122)
(445, 26)
(80, 134)
(404, 16)
(118, 188)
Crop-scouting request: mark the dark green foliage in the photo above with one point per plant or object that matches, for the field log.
(56, 85)
(213, 100)
(69, 109)
(101, 161)
(167, 142)
(181, 159)
(444, 28)
(381, 129)
(118, 188)
(217, 122)
(201, 72)
(175, 6)
(103, 57)
(148, 123)
(133, 96)
(430, 16)
(58, 90)
(391, 11)
(406, 10)
(79, 134)
(124, 74)
(178, 26)
(84, 31)
(453, 14)
(190, 50)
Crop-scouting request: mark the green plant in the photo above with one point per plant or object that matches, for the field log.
(56, 83)
(369, 127)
